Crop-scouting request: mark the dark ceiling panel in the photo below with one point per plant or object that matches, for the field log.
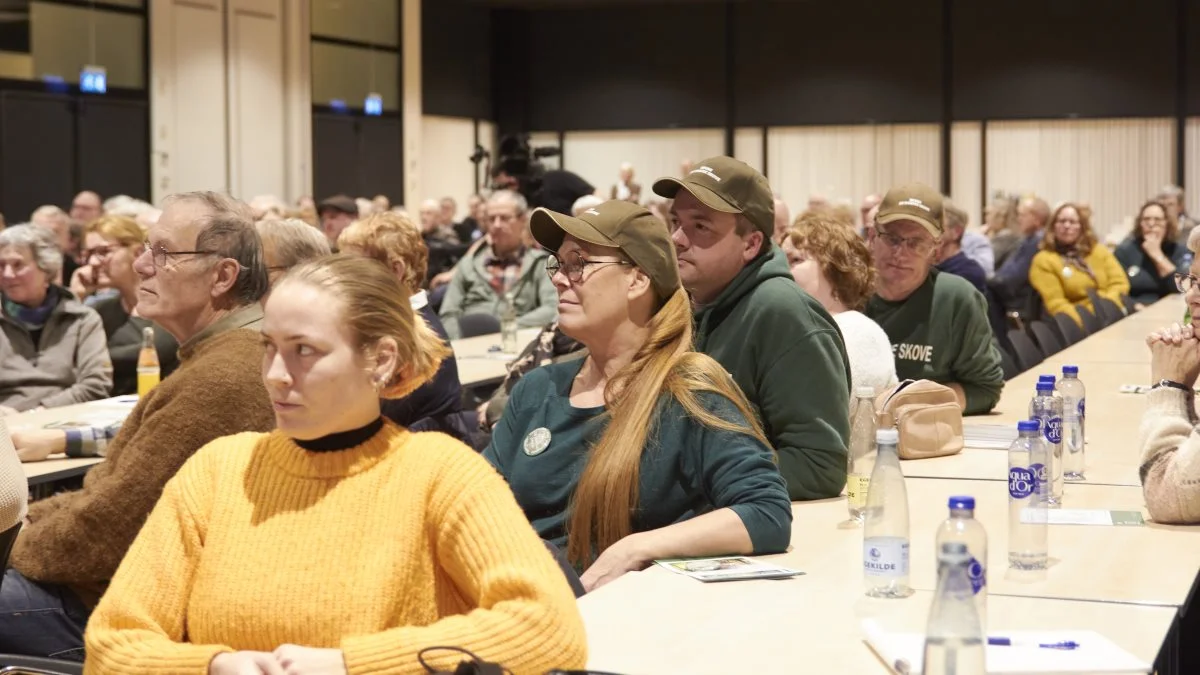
(647, 67)
(1086, 58)
(455, 59)
(838, 62)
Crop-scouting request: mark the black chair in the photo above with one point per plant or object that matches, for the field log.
(1129, 304)
(1008, 365)
(471, 325)
(1072, 332)
(1025, 351)
(1107, 311)
(28, 665)
(1091, 322)
(1045, 338)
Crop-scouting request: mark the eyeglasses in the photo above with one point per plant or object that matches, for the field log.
(574, 264)
(917, 245)
(1153, 219)
(160, 255)
(1185, 282)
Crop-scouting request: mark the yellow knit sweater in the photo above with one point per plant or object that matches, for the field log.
(404, 542)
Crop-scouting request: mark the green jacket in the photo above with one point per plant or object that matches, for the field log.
(786, 353)
(941, 333)
(470, 292)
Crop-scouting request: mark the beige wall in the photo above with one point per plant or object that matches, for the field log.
(230, 107)
(1114, 165)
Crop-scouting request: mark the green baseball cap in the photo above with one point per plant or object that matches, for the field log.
(916, 202)
(619, 224)
(727, 185)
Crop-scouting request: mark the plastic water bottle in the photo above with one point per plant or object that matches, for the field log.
(1070, 388)
(1048, 409)
(508, 325)
(962, 528)
(861, 456)
(954, 642)
(1027, 494)
(885, 534)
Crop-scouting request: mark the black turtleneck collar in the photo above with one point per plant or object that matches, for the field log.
(342, 440)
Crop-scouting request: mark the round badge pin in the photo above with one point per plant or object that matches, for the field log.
(537, 441)
(1067, 272)
(1134, 270)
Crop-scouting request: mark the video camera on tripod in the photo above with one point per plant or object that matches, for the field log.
(517, 167)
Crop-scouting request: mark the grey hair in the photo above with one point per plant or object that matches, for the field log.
(512, 197)
(584, 203)
(293, 241)
(40, 242)
(228, 230)
(1171, 191)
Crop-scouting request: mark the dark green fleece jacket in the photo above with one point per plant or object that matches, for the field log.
(786, 353)
(941, 333)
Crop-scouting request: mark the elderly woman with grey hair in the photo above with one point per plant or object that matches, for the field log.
(289, 242)
(52, 349)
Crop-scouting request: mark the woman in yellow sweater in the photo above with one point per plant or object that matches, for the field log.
(1072, 261)
(339, 543)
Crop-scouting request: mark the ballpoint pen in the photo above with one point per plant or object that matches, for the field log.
(1008, 642)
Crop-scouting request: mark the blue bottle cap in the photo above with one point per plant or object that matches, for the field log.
(1046, 378)
(1070, 370)
(1029, 425)
(962, 503)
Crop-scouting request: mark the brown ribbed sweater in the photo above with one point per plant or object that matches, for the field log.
(79, 538)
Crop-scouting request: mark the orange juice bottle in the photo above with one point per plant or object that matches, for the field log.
(148, 370)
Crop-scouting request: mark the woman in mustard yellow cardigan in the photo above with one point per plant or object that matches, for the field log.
(1072, 261)
(340, 542)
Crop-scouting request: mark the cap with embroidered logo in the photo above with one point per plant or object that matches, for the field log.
(916, 202)
(619, 224)
(727, 185)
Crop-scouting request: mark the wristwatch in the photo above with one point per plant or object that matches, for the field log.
(1172, 384)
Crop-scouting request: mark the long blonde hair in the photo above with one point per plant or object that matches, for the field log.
(606, 497)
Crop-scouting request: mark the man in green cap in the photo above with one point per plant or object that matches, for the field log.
(937, 322)
(781, 346)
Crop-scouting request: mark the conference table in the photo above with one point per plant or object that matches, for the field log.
(479, 359)
(1125, 582)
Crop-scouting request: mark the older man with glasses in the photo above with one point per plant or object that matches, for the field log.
(202, 276)
(937, 323)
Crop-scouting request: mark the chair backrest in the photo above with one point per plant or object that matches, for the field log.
(7, 539)
(1071, 331)
(1129, 303)
(11, 664)
(1106, 310)
(471, 325)
(1045, 338)
(1091, 323)
(1025, 351)
(1008, 365)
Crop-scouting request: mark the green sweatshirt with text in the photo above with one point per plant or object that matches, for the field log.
(941, 333)
(786, 353)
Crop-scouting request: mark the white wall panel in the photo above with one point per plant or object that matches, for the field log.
(1192, 165)
(1114, 165)
(448, 142)
(256, 100)
(597, 155)
(747, 146)
(966, 169)
(846, 163)
(231, 97)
